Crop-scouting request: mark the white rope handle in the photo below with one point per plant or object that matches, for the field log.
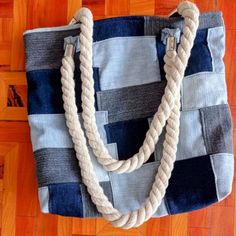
(174, 79)
(174, 68)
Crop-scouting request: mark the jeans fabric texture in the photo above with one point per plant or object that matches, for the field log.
(129, 82)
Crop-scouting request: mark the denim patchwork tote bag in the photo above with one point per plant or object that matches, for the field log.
(129, 116)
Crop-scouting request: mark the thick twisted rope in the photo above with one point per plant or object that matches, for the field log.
(175, 66)
(174, 79)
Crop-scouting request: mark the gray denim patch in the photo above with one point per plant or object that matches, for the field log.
(217, 129)
(223, 167)
(131, 102)
(44, 50)
(130, 190)
(89, 209)
(60, 165)
(56, 165)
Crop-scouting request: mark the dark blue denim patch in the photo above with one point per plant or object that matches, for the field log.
(128, 135)
(65, 199)
(200, 59)
(191, 186)
(45, 94)
(118, 27)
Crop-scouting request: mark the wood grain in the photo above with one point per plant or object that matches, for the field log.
(19, 207)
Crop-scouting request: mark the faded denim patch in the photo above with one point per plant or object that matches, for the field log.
(109, 56)
(191, 141)
(216, 44)
(50, 130)
(130, 190)
(203, 90)
(223, 167)
(43, 195)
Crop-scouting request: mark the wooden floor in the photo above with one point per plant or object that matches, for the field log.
(19, 209)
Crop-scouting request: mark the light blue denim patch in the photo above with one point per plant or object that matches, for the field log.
(223, 167)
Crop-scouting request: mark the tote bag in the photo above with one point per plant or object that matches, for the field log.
(129, 116)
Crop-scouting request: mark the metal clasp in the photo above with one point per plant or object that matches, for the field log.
(171, 43)
(69, 50)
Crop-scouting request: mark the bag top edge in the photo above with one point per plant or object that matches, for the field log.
(117, 18)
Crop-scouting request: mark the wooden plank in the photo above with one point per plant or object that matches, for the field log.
(25, 225)
(96, 6)
(45, 13)
(64, 226)
(11, 159)
(46, 225)
(229, 59)
(84, 226)
(228, 8)
(142, 7)
(179, 225)
(117, 8)
(19, 26)
(5, 53)
(72, 7)
(164, 8)
(6, 8)
(199, 232)
(222, 221)
(14, 132)
(6, 29)
(200, 218)
(27, 190)
(207, 5)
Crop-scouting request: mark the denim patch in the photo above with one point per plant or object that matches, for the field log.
(191, 142)
(44, 47)
(89, 208)
(216, 44)
(217, 129)
(200, 59)
(191, 186)
(59, 165)
(65, 199)
(128, 135)
(118, 27)
(50, 130)
(203, 90)
(56, 165)
(45, 94)
(131, 102)
(130, 190)
(117, 68)
(223, 167)
(43, 195)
